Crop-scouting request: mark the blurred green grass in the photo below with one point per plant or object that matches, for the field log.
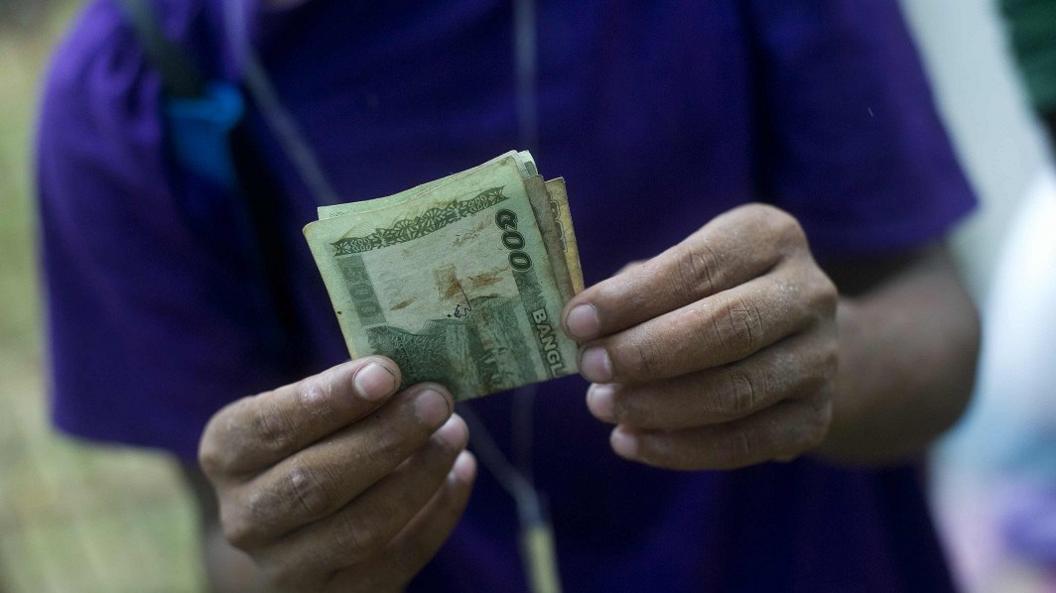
(73, 517)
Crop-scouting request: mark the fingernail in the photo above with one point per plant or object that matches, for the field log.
(374, 382)
(431, 407)
(595, 365)
(582, 322)
(453, 433)
(624, 443)
(600, 401)
(465, 467)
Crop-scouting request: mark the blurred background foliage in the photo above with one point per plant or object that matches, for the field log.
(72, 517)
(16, 14)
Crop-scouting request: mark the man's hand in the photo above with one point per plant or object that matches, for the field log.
(337, 482)
(720, 352)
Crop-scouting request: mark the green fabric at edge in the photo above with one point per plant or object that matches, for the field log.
(1032, 27)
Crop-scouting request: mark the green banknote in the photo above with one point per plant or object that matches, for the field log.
(460, 280)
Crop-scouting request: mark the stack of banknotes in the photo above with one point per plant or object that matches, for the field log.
(460, 280)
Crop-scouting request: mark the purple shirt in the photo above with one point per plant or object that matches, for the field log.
(659, 115)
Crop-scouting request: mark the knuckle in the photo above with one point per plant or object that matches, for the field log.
(645, 358)
(698, 266)
(823, 420)
(212, 457)
(824, 294)
(739, 327)
(740, 396)
(815, 371)
(238, 527)
(270, 429)
(809, 382)
(314, 394)
(355, 541)
(309, 490)
(830, 360)
(278, 576)
(817, 427)
(394, 443)
(812, 438)
(282, 574)
(631, 410)
(217, 455)
(744, 446)
(813, 368)
(784, 225)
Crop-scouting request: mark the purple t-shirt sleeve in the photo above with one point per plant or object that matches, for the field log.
(149, 324)
(850, 141)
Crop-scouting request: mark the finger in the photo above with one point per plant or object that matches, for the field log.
(796, 366)
(731, 249)
(422, 538)
(721, 329)
(630, 265)
(363, 528)
(321, 479)
(783, 432)
(419, 541)
(257, 431)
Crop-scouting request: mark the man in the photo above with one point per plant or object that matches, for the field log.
(727, 346)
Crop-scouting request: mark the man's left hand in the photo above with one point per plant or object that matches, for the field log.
(718, 353)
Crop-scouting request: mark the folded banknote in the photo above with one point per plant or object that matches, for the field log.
(460, 280)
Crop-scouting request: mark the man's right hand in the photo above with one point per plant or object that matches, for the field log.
(337, 482)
